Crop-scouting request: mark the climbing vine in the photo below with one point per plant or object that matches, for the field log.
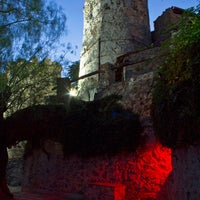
(176, 91)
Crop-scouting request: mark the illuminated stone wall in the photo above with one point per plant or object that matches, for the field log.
(146, 174)
(134, 176)
(111, 28)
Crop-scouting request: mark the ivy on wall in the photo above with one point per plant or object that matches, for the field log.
(176, 90)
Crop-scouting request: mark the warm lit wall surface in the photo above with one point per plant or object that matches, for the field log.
(121, 177)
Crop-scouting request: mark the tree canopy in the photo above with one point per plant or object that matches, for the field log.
(29, 30)
(176, 94)
(31, 85)
(73, 72)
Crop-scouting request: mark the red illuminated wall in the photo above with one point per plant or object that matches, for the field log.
(121, 177)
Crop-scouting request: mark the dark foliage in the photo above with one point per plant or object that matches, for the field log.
(84, 128)
(73, 72)
(176, 92)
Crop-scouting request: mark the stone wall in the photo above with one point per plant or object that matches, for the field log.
(166, 24)
(146, 174)
(136, 82)
(141, 174)
(186, 173)
(130, 30)
(183, 182)
(136, 93)
(15, 172)
(131, 176)
(15, 168)
(112, 28)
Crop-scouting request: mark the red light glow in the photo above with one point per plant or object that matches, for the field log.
(145, 175)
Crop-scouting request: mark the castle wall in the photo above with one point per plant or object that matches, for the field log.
(136, 68)
(166, 24)
(186, 173)
(112, 28)
(153, 172)
(131, 176)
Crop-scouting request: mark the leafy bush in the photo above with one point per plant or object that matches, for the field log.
(101, 127)
(176, 92)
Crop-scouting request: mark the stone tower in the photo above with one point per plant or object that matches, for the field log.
(111, 28)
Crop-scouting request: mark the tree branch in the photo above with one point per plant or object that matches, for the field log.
(15, 22)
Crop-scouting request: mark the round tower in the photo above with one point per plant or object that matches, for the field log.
(111, 28)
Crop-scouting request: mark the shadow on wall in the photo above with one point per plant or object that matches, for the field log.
(164, 193)
(183, 182)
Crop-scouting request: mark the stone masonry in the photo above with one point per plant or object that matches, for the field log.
(132, 176)
(111, 28)
(116, 30)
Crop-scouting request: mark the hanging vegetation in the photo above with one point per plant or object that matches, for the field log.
(101, 127)
(176, 92)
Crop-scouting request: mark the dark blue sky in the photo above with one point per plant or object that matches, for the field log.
(74, 13)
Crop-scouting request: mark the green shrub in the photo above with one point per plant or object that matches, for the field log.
(176, 90)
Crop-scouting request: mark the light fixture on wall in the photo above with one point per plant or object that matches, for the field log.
(73, 92)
